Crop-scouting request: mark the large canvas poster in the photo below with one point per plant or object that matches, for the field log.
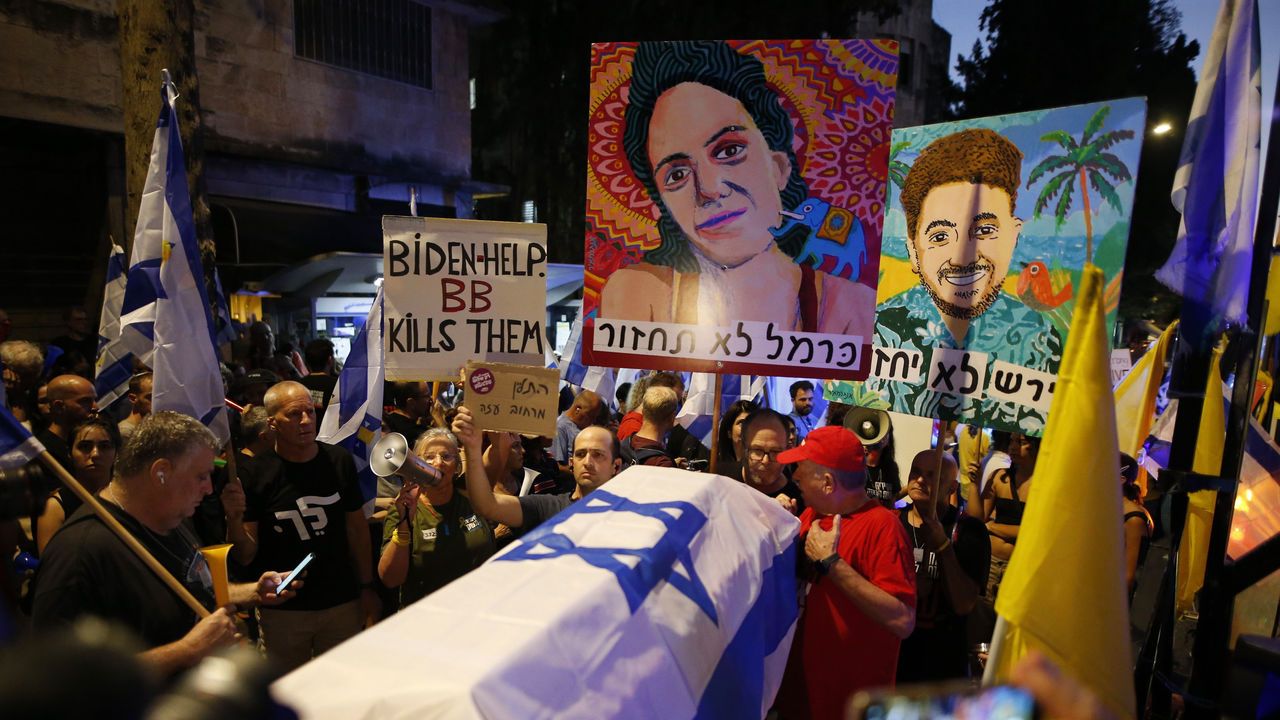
(988, 227)
(735, 197)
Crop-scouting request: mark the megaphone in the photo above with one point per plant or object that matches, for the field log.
(871, 426)
(391, 456)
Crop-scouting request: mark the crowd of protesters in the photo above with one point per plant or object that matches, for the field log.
(902, 570)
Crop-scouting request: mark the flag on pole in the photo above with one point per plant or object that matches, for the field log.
(115, 362)
(17, 446)
(1085, 631)
(599, 380)
(1136, 394)
(168, 273)
(1193, 550)
(353, 419)
(224, 328)
(1216, 185)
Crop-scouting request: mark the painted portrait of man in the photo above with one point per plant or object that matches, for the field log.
(961, 231)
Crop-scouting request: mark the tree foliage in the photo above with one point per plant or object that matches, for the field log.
(1065, 52)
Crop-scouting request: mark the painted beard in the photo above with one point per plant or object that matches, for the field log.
(970, 276)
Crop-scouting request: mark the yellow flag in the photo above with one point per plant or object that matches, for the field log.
(1064, 592)
(1194, 548)
(1136, 394)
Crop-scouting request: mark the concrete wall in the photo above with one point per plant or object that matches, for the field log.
(59, 63)
(920, 96)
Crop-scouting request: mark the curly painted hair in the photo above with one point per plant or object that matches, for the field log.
(660, 66)
(978, 156)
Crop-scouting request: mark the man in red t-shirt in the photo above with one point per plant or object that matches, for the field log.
(861, 603)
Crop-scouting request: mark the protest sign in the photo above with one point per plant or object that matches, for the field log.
(459, 290)
(735, 197)
(513, 398)
(978, 280)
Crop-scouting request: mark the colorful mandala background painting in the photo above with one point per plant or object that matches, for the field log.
(839, 95)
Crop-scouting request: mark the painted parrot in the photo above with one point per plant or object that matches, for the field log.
(1043, 289)
(836, 241)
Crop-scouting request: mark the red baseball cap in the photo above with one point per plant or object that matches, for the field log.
(830, 446)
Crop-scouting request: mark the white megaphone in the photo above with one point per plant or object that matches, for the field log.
(391, 456)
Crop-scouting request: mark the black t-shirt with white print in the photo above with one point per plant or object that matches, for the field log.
(302, 508)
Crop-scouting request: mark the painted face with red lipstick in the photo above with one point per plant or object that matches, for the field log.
(715, 172)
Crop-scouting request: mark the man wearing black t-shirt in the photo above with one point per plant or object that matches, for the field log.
(951, 554)
(302, 497)
(161, 476)
(764, 435)
(411, 413)
(318, 356)
(595, 460)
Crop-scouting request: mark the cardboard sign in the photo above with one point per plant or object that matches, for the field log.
(512, 398)
(460, 290)
(1121, 364)
(978, 280)
(735, 197)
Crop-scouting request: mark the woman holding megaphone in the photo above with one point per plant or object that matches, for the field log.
(432, 536)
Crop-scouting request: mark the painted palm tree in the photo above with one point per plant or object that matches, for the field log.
(897, 169)
(1086, 163)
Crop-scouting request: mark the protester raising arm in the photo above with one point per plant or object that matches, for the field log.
(503, 509)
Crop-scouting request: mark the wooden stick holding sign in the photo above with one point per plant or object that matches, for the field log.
(512, 398)
(715, 425)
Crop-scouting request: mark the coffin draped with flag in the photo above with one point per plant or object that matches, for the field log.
(663, 594)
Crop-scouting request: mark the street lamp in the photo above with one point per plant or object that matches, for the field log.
(1162, 128)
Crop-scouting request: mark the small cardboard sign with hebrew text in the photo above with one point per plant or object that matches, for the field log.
(512, 398)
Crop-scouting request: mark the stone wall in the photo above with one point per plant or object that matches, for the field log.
(60, 64)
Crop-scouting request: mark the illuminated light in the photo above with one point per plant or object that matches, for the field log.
(1248, 494)
(1161, 129)
(1240, 505)
(1237, 533)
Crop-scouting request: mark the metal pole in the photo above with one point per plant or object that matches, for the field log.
(1214, 629)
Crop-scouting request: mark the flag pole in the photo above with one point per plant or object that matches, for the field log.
(125, 536)
(715, 424)
(1213, 631)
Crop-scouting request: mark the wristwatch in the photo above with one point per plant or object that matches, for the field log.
(824, 565)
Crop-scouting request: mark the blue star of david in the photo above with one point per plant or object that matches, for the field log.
(656, 564)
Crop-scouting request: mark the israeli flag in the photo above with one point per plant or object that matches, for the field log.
(17, 446)
(696, 413)
(1216, 185)
(115, 362)
(353, 419)
(663, 594)
(165, 297)
(600, 380)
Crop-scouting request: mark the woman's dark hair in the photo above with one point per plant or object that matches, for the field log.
(888, 466)
(660, 66)
(97, 421)
(726, 450)
(1129, 478)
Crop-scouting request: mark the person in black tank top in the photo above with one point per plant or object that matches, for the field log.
(1138, 524)
(1003, 504)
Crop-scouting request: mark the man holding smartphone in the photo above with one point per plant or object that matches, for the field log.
(302, 497)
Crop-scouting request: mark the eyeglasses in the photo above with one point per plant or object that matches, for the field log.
(440, 457)
(761, 455)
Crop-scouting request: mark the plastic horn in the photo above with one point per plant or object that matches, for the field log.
(216, 557)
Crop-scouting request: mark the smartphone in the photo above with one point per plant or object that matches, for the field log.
(296, 571)
(945, 701)
(697, 465)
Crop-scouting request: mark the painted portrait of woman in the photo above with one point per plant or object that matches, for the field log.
(712, 145)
